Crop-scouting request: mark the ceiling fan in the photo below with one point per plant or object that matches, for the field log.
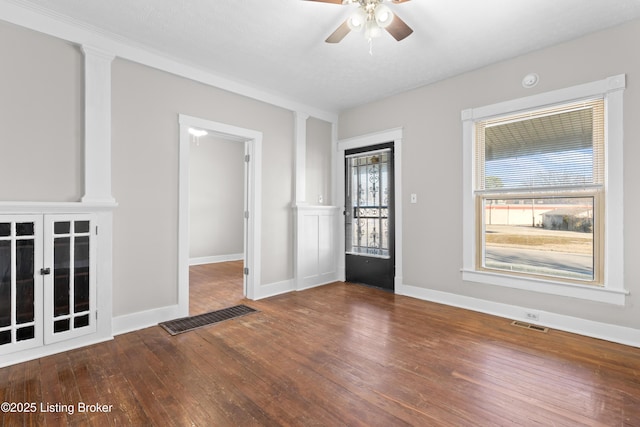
(372, 16)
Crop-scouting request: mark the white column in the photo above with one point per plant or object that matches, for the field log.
(300, 128)
(97, 125)
(335, 169)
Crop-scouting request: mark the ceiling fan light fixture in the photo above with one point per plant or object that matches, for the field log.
(372, 30)
(372, 18)
(383, 15)
(356, 22)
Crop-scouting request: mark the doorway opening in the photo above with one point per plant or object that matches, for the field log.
(252, 144)
(216, 222)
(356, 243)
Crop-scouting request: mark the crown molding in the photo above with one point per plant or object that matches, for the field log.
(25, 14)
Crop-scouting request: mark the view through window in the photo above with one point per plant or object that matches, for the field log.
(539, 188)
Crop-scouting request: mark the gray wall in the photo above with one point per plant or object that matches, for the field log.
(40, 117)
(146, 103)
(216, 197)
(432, 163)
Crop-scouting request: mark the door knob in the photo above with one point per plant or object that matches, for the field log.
(45, 271)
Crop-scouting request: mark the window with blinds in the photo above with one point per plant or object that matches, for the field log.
(556, 147)
(538, 186)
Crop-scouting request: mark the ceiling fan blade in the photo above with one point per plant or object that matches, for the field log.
(399, 29)
(332, 1)
(339, 33)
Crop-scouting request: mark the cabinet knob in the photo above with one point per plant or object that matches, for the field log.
(45, 271)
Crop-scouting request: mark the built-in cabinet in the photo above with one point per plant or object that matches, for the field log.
(47, 279)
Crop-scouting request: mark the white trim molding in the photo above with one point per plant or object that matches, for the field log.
(300, 143)
(54, 24)
(51, 349)
(252, 141)
(214, 259)
(589, 328)
(613, 292)
(273, 289)
(391, 135)
(97, 125)
(144, 319)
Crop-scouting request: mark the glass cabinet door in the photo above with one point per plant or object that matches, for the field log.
(20, 282)
(70, 286)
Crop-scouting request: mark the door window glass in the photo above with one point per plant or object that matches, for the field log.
(368, 204)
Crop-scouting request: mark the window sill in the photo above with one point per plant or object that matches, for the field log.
(592, 293)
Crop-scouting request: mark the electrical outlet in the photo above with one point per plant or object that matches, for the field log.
(531, 316)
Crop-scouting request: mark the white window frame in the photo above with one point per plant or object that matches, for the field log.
(613, 292)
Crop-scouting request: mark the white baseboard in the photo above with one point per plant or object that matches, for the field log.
(48, 350)
(590, 328)
(215, 259)
(144, 319)
(273, 289)
(285, 286)
(315, 281)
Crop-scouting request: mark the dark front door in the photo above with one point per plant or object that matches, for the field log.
(369, 216)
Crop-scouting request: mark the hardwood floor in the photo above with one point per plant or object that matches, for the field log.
(215, 286)
(340, 354)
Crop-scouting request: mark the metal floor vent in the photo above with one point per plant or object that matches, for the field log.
(529, 326)
(178, 326)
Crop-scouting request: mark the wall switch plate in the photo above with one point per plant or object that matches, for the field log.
(414, 198)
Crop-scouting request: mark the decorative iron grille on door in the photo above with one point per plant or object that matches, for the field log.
(368, 195)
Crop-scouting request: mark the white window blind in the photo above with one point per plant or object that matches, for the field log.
(560, 147)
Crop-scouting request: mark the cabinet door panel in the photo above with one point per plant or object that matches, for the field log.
(20, 282)
(70, 289)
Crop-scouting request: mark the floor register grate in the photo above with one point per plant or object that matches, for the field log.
(186, 324)
(529, 326)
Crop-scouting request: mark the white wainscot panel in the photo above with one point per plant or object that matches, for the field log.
(316, 261)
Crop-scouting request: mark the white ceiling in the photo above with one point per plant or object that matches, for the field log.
(278, 45)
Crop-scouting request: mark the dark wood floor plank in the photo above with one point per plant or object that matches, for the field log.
(204, 378)
(370, 361)
(215, 286)
(264, 357)
(227, 381)
(194, 388)
(157, 399)
(33, 392)
(340, 354)
(115, 385)
(53, 369)
(69, 392)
